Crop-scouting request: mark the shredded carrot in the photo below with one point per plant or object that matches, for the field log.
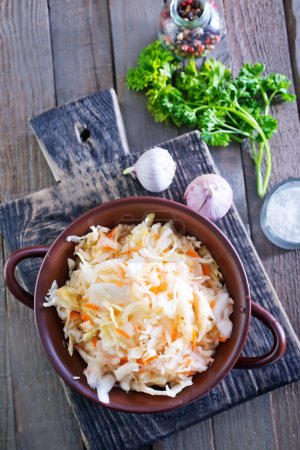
(111, 233)
(151, 359)
(175, 333)
(84, 318)
(107, 248)
(156, 289)
(74, 315)
(123, 360)
(134, 249)
(222, 339)
(212, 304)
(119, 283)
(188, 374)
(94, 341)
(206, 269)
(193, 253)
(188, 361)
(147, 360)
(194, 337)
(118, 330)
(92, 306)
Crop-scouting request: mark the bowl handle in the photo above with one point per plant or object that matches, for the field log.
(279, 346)
(9, 272)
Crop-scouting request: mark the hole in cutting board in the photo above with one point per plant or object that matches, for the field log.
(85, 134)
(82, 132)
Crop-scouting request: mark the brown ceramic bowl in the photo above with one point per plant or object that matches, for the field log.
(133, 210)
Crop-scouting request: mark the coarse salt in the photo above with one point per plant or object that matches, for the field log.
(283, 214)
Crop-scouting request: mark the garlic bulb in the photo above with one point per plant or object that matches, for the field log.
(209, 195)
(155, 169)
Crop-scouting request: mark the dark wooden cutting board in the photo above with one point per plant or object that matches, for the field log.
(85, 146)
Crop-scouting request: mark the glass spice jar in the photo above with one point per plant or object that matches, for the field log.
(280, 214)
(190, 28)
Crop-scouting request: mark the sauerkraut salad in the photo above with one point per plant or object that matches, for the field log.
(145, 306)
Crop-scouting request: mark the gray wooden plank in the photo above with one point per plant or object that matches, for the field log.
(285, 403)
(234, 171)
(133, 27)
(243, 427)
(266, 23)
(81, 46)
(84, 132)
(229, 163)
(198, 437)
(292, 15)
(7, 419)
(26, 88)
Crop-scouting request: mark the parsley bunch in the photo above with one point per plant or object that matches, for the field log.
(223, 108)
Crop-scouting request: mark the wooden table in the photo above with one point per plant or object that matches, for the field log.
(55, 51)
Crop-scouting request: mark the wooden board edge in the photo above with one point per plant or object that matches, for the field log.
(120, 121)
(69, 399)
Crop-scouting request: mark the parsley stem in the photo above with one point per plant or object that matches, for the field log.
(253, 148)
(272, 97)
(235, 138)
(233, 120)
(261, 185)
(266, 100)
(268, 170)
(199, 108)
(258, 163)
(243, 114)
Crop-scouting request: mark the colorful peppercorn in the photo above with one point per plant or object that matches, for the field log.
(200, 34)
(190, 9)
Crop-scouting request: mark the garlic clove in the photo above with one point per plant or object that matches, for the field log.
(155, 169)
(209, 195)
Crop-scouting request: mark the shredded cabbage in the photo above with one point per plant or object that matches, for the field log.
(145, 306)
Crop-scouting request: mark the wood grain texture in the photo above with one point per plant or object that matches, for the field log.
(29, 397)
(130, 33)
(84, 132)
(26, 89)
(265, 22)
(247, 426)
(81, 47)
(199, 436)
(88, 79)
(133, 27)
(232, 169)
(285, 404)
(292, 14)
(52, 208)
(7, 418)
(229, 162)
